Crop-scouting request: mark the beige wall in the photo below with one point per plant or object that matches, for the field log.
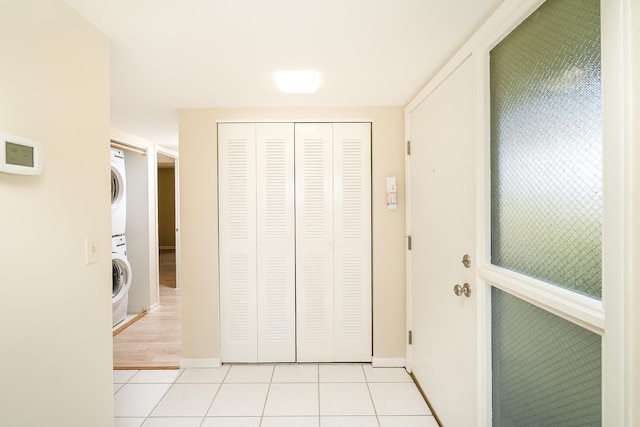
(199, 221)
(55, 321)
(166, 207)
(633, 281)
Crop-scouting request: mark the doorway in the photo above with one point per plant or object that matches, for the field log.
(154, 340)
(167, 224)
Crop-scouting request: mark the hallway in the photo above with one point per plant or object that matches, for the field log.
(154, 341)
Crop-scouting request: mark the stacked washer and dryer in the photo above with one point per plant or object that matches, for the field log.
(120, 265)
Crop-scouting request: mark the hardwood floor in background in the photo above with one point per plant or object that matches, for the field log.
(154, 341)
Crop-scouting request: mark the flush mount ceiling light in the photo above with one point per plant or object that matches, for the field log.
(297, 81)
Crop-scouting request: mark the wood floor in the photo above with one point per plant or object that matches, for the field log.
(153, 342)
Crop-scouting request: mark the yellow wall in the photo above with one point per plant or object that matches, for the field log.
(199, 222)
(55, 321)
(166, 207)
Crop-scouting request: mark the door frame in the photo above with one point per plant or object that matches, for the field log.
(617, 189)
(173, 154)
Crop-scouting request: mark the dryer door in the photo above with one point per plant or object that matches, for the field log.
(121, 274)
(118, 193)
(117, 188)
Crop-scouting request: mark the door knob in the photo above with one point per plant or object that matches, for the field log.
(462, 290)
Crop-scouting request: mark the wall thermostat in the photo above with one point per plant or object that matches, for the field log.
(20, 156)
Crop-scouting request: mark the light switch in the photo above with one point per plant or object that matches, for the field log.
(92, 254)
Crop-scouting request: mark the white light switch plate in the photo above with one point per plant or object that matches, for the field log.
(92, 254)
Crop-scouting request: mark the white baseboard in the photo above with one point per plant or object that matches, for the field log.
(153, 307)
(200, 363)
(376, 362)
(387, 362)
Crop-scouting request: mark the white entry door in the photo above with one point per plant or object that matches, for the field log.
(442, 226)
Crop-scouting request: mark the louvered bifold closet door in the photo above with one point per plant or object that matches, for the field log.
(237, 240)
(314, 241)
(275, 242)
(333, 241)
(352, 241)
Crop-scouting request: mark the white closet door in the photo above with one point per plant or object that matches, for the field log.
(237, 228)
(352, 241)
(314, 241)
(275, 242)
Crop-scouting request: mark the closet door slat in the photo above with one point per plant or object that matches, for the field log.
(352, 241)
(275, 242)
(237, 241)
(314, 241)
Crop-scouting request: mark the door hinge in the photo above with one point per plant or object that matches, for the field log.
(408, 243)
(408, 148)
(410, 338)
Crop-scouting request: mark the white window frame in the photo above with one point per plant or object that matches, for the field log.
(605, 317)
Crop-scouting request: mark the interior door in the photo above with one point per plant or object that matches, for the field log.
(275, 242)
(443, 231)
(237, 227)
(314, 242)
(352, 241)
(333, 241)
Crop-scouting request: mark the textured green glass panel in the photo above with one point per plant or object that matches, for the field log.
(546, 147)
(546, 370)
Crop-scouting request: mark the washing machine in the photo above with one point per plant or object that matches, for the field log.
(118, 193)
(121, 270)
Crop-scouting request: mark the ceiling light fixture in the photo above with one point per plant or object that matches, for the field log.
(297, 81)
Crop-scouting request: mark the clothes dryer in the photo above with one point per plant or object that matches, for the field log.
(118, 193)
(121, 271)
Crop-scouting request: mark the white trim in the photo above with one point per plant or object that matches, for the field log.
(159, 149)
(200, 363)
(483, 201)
(388, 362)
(407, 214)
(294, 121)
(155, 306)
(579, 309)
(505, 12)
(631, 46)
(616, 85)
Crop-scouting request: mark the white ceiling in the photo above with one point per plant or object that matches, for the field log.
(170, 54)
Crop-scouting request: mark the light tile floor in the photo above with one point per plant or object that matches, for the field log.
(281, 395)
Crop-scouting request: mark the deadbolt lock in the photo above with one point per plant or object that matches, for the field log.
(466, 260)
(462, 290)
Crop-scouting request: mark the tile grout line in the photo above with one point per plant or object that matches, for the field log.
(273, 370)
(204, 418)
(373, 404)
(160, 400)
(124, 384)
(318, 379)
